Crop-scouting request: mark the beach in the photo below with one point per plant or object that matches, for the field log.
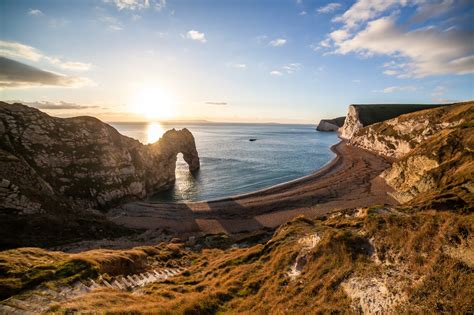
(350, 180)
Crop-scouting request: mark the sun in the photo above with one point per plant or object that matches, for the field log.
(154, 104)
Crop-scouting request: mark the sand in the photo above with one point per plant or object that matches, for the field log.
(350, 180)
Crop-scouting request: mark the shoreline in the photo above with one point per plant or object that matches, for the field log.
(349, 180)
(326, 168)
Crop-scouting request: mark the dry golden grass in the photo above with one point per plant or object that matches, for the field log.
(254, 280)
(24, 268)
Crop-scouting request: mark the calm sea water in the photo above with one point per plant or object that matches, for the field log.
(231, 164)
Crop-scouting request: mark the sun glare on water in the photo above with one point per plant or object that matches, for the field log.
(154, 104)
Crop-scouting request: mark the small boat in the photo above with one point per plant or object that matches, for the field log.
(253, 139)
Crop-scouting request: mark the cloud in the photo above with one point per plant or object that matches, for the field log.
(55, 105)
(35, 12)
(426, 51)
(112, 23)
(196, 35)
(375, 28)
(217, 103)
(303, 13)
(160, 5)
(328, 8)
(292, 67)
(130, 4)
(241, 66)
(17, 50)
(276, 73)
(76, 66)
(365, 10)
(392, 89)
(432, 9)
(277, 42)
(356, 81)
(136, 5)
(16, 74)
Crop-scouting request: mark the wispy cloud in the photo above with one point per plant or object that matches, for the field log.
(18, 50)
(392, 89)
(276, 73)
(160, 5)
(303, 13)
(130, 4)
(135, 5)
(217, 103)
(35, 12)
(328, 8)
(292, 67)
(111, 22)
(241, 66)
(55, 105)
(196, 35)
(15, 74)
(278, 42)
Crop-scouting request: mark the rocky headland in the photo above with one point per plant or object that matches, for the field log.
(331, 124)
(55, 166)
(360, 116)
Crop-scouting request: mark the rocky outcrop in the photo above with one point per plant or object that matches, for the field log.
(81, 160)
(331, 124)
(439, 172)
(398, 136)
(56, 172)
(360, 116)
(434, 156)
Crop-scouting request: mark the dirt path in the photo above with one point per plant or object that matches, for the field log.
(350, 180)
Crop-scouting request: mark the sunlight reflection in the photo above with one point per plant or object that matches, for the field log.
(154, 132)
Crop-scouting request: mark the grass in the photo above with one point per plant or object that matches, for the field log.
(24, 268)
(254, 280)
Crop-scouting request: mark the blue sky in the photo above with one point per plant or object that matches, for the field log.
(248, 60)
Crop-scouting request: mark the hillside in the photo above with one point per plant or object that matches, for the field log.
(414, 257)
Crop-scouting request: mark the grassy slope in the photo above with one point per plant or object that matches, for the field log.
(373, 113)
(417, 251)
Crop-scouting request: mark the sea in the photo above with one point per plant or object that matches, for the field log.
(231, 164)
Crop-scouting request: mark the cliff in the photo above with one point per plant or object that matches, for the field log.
(51, 165)
(360, 116)
(331, 124)
(433, 149)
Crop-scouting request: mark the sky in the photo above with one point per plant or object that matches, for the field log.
(287, 61)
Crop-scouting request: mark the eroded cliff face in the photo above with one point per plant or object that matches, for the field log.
(82, 161)
(360, 116)
(398, 136)
(351, 124)
(433, 149)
